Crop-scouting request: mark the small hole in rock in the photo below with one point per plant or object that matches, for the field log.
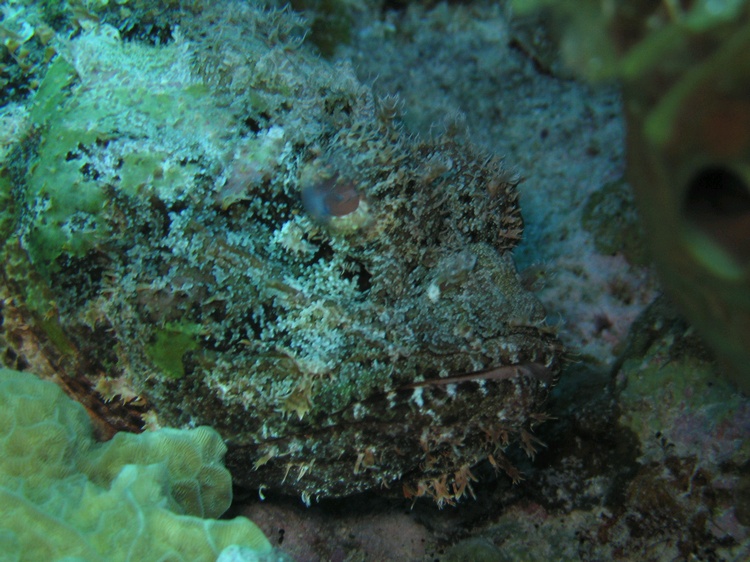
(717, 203)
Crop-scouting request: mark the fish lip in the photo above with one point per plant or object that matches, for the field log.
(500, 372)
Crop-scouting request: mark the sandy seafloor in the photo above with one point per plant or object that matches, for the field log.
(646, 458)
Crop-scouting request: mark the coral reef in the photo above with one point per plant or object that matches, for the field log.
(136, 497)
(650, 465)
(223, 229)
(657, 464)
(684, 71)
(610, 216)
(646, 459)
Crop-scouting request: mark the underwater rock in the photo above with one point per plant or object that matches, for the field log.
(686, 82)
(227, 231)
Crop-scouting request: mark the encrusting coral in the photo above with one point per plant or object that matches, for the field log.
(231, 232)
(138, 497)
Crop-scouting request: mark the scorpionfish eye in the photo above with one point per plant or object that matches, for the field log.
(332, 197)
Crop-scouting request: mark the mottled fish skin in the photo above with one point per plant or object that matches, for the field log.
(448, 425)
(275, 257)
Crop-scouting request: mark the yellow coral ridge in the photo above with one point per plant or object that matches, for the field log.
(136, 497)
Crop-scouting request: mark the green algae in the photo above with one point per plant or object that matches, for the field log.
(610, 215)
(170, 345)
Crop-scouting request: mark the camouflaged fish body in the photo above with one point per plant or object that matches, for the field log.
(261, 248)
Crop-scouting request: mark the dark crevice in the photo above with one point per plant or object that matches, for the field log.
(717, 202)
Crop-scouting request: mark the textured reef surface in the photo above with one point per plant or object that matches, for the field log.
(298, 231)
(647, 458)
(241, 235)
(684, 72)
(136, 497)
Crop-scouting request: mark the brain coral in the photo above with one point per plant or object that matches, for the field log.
(134, 498)
(229, 231)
